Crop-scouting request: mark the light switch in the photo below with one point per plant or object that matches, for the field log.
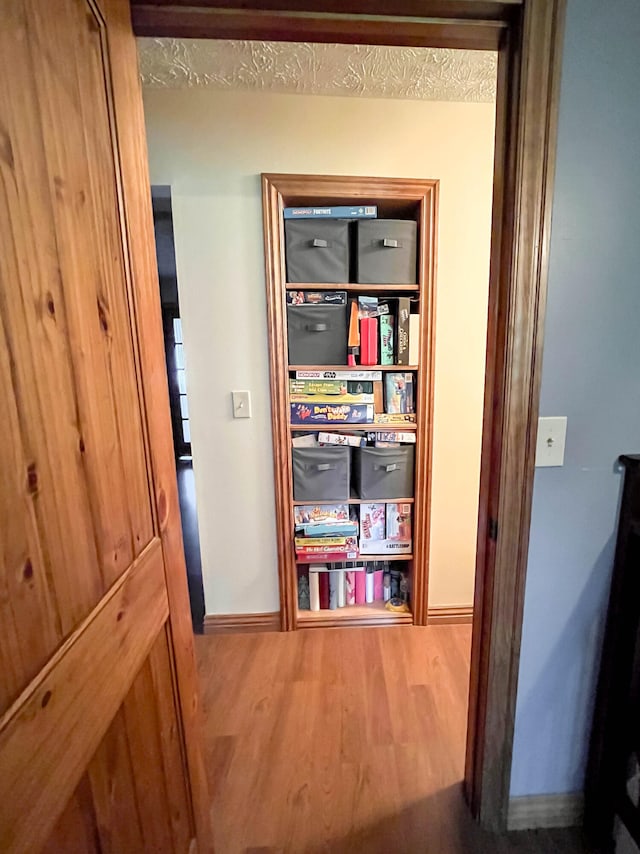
(552, 434)
(241, 401)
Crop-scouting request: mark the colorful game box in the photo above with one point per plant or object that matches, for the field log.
(399, 522)
(372, 522)
(331, 413)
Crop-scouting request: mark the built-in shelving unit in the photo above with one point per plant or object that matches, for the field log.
(395, 198)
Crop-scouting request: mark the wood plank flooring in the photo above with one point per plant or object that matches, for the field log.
(348, 741)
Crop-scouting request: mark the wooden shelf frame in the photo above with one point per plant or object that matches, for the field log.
(352, 287)
(356, 501)
(337, 368)
(421, 197)
(373, 614)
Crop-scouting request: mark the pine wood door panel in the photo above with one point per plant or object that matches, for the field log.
(61, 718)
(114, 809)
(98, 701)
(76, 831)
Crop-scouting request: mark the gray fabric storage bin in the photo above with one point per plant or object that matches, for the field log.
(321, 474)
(384, 472)
(317, 334)
(387, 251)
(317, 250)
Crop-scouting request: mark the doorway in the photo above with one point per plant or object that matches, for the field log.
(528, 36)
(178, 398)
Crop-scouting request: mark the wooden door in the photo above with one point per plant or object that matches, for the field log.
(98, 735)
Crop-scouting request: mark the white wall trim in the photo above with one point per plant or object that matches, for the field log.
(540, 811)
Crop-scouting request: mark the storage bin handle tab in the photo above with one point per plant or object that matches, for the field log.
(324, 467)
(391, 467)
(316, 327)
(391, 243)
(319, 243)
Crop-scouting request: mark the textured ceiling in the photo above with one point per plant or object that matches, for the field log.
(320, 69)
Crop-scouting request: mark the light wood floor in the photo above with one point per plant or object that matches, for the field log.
(344, 741)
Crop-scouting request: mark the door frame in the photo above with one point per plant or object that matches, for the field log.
(528, 37)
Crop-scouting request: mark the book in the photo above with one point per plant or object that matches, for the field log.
(333, 212)
(328, 556)
(372, 522)
(352, 440)
(353, 338)
(345, 529)
(323, 585)
(369, 341)
(403, 312)
(314, 591)
(304, 603)
(316, 297)
(330, 374)
(340, 584)
(385, 325)
(369, 585)
(398, 392)
(321, 551)
(325, 542)
(360, 587)
(337, 387)
(392, 436)
(331, 413)
(384, 547)
(414, 339)
(350, 587)
(331, 398)
(333, 590)
(378, 593)
(394, 418)
(399, 521)
(316, 514)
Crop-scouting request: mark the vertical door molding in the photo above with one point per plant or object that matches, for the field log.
(529, 73)
(147, 323)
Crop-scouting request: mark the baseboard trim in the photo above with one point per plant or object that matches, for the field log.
(231, 623)
(542, 811)
(449, 614)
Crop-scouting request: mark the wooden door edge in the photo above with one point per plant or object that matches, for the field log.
(534, 59)
(147, 322)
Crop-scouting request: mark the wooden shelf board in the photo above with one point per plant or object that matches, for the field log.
(356, 501)
(360, 559)
(404, 368)
(351, 428)
(357, 615)
(352, 287)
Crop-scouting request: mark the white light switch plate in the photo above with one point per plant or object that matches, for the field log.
(241, 401)
(552, 434)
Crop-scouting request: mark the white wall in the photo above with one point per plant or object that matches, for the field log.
(211, 147)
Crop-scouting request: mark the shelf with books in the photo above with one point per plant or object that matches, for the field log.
(373, 613)
(352, 287)
(392, 321)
